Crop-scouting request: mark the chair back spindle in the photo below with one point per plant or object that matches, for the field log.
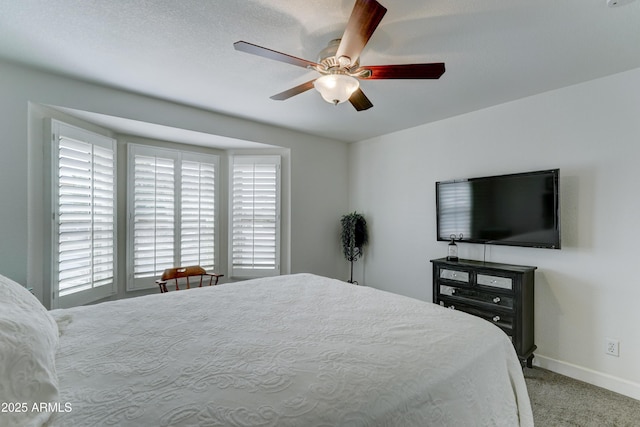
(185, 272)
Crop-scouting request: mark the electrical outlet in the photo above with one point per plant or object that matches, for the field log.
(612, 347)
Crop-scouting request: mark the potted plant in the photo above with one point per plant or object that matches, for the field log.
(354, 236)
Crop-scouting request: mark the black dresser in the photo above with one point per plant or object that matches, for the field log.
(499, 293)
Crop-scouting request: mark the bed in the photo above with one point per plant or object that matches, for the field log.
(294, 350)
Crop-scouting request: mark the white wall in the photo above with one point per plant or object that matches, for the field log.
(318, 166)
(585, 292)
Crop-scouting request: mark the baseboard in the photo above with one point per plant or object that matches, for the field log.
(615, 384)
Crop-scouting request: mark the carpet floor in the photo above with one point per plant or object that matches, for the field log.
(559, 401)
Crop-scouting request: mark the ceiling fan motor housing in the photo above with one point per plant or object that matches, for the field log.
(327, 58)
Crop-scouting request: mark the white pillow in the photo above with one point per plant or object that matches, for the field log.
(28, 342)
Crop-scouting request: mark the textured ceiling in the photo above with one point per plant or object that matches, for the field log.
(495, 51)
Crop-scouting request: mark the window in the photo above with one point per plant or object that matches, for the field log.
(152, 212)
(198, 214)
(84, 219)
(255, 216)
(172, 212)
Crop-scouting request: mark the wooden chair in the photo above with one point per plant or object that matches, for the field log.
(180, 272)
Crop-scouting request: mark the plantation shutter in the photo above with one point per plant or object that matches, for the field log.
(172, 205)
(255, 216)
(153, 213)
(198, 213)
(84, 199)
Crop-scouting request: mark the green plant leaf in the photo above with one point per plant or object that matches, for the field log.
(354, 235)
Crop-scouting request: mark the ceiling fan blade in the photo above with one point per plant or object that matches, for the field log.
(293, 91)
(254, 49)
(405, 71)
(364, 20)
(359, 101)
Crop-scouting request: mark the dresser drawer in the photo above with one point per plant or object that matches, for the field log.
(486, 297)
(495, 281)
(504, 321)
(458, 276)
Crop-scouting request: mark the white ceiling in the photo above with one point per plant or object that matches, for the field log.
(126, 126)
(495, 51)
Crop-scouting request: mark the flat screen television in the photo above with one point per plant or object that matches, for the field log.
(519, 209)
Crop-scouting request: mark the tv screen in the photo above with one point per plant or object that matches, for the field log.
(518, 209)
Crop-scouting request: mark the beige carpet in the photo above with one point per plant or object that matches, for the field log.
(560, 401)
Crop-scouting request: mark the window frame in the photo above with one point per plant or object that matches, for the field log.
(59, 128)
(178, 156)
(248, 273)
(215, 161)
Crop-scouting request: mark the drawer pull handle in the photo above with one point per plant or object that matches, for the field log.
(496, 318)
(496, 300)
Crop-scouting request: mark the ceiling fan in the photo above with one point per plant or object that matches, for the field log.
(339, 62)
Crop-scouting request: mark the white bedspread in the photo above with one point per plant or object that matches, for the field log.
(298, 350)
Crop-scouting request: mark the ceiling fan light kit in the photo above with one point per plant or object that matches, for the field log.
(339, 62)
(336, 88)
